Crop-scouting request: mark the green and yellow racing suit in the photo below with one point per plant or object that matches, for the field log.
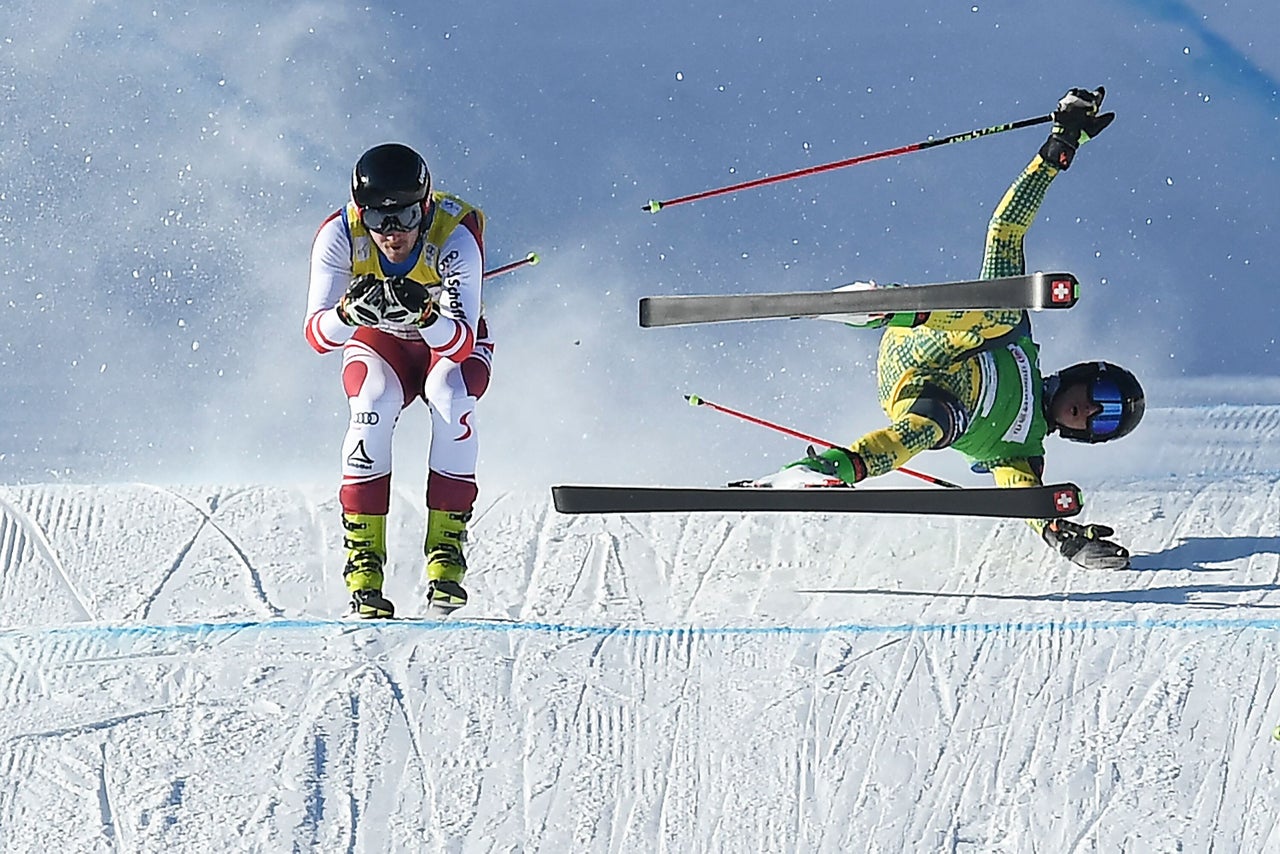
(970, 380)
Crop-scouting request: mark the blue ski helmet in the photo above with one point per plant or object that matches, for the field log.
(1117, 393)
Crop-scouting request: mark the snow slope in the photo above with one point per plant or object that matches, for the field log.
(173, 679)
(172, 675)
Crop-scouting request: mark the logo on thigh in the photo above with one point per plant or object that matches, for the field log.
(359, 458)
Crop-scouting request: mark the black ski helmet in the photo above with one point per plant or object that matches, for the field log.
(390, 175)
(1111, 387)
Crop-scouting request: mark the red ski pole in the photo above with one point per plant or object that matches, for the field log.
(654, 205)
(694, 400)
(531, 258)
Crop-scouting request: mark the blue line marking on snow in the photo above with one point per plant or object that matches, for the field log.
(530, 626)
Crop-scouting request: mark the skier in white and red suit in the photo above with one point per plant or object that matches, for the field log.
(395, 284)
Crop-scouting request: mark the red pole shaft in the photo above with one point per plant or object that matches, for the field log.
(531, 258)
(786, 176)
(654, 206)
(796, 434)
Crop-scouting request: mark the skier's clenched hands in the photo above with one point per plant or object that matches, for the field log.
(408, 301)
(1086, 545)
(363, 302)
(1075, 122)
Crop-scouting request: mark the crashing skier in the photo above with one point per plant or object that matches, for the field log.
(395, 283)
(970, 380)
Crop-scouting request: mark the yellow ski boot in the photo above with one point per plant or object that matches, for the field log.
(446, 566)
(366, 543)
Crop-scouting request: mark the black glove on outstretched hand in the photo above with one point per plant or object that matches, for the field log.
(409, 301)
(363, 302)
(1085, 545)
(1075, 122)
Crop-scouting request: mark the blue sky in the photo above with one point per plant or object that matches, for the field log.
(165, 168)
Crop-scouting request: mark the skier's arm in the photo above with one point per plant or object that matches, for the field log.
(1018, 474)
(1083, 545)
(1076, 121)
(876, 453)
(330, 278)
(892, 447)
(1002, 256)
(461, 270)
(1012, 218)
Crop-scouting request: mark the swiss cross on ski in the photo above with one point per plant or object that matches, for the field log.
(1067, 501)
(1063, 291)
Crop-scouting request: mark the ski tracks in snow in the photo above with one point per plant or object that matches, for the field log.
(24, 549)
(142, 552)
(959, 669)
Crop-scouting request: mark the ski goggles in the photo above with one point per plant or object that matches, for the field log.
(1106, 395)
(386, 220)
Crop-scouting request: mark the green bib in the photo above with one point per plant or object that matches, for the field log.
(1009, 422)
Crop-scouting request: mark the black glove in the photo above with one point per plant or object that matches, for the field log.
(1075, 122)
(408, 301)
(1085, 545)
(363, 302)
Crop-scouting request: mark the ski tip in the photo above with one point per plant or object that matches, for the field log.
(693, 399)
(646, 320)
(654, 206)
(533, 258)
(1060, 290)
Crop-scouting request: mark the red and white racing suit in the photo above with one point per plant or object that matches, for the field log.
(385, 368)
